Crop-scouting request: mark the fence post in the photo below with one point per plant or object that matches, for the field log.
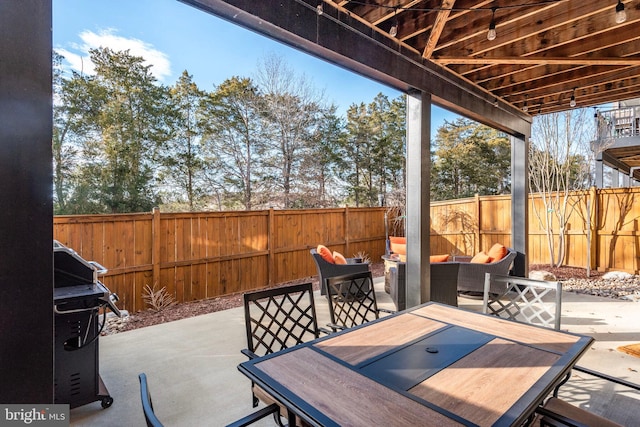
(270, 259)
(155, 246)
(346, 230)
(593, 228)
(477, 244)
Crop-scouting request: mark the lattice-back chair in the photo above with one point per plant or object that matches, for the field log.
(277, 319)
(147, 405)
(538, 302)
(352, 300)
(327, 269)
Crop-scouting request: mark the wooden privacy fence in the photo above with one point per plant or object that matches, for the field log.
(466, 226)
(209, 254)
(204, 255)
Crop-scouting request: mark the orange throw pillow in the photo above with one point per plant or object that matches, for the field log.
(399, 248)
(395, 239)
(481, 258)
(439, 258)
(497, 252)
(325, 253)
(398, 245)
(339, 258)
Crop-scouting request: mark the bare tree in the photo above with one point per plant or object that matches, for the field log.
(559, 164)
(292, 108)
(602, 139)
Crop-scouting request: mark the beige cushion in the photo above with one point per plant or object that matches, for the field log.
(339, 258)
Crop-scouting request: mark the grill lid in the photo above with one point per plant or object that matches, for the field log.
(70, 269)
(76, 284)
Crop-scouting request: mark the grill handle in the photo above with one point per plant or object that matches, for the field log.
(111, 301)
(77, 310)
(100, 269)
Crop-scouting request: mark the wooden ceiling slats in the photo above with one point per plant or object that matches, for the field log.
(569, 50)
(543, 50)
(586, 86)
(509, 30)
(614, 56)
(455, 14)
(541, 60)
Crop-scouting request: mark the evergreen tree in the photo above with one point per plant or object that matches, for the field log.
(124, 125)
(183, 163)
(469, 158)
(64, 154)
(371, 157)
(318, 185)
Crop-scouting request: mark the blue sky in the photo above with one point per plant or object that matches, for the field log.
(174, 37)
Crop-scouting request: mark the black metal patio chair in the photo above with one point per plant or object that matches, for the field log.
(272, 409)
(147, 405)
(276, 319)
(327, 269)
(352, 300)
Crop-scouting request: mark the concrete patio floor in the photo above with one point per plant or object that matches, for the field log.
(191, 365)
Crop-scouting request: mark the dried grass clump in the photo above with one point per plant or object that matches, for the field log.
(157, 300)
(363, 256)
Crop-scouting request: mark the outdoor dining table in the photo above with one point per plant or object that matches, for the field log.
(431, 365)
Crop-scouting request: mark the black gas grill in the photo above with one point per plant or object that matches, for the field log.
(78, 299)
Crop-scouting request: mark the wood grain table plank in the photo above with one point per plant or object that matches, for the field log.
(547, 339)
(482, 386)
(361, 344)
(343, 395)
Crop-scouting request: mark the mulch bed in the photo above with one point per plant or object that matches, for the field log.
(566, 272)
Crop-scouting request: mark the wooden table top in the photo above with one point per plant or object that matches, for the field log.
(431, 365)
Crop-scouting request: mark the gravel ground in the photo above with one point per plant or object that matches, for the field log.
(609, 285)
(574, 279)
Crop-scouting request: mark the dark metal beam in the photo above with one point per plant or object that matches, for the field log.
(26, 220)
(348, 43)
(614, 162)
(418, 218)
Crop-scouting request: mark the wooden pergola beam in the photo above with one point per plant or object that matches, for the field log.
(438, 26)
(541, 60)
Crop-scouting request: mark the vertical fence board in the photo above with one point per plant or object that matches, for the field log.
(143, 243)
(213, 280)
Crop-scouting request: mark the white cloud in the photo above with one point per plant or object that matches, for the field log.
(78, 55)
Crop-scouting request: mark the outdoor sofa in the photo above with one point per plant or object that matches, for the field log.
(471, 275)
